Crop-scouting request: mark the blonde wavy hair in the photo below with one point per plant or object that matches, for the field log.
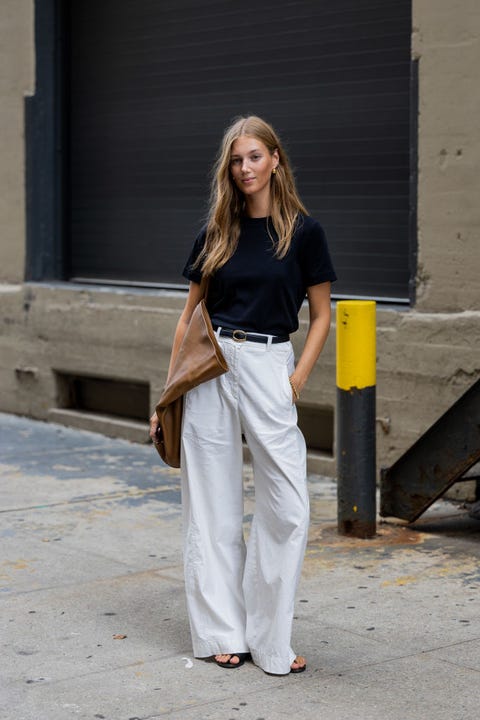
(227, 202)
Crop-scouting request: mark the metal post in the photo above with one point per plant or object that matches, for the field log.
(355, 441)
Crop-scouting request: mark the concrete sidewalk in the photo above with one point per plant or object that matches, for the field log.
(93, 619)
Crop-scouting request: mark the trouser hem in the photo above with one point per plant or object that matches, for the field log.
(274, 664)
(207, 649)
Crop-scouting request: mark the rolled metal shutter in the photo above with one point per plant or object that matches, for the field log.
(154, 83)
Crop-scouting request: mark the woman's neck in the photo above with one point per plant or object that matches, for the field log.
(257, 207)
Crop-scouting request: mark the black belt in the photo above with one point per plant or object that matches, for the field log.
(242, 336)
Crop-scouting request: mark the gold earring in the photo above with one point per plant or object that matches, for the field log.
(274, 171)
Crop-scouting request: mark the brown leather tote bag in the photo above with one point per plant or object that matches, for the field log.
(199, 359)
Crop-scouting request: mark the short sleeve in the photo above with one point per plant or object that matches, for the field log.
(189, 272)
(317, 266)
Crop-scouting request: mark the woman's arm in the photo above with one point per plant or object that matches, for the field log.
(320, 312)
(193, 298)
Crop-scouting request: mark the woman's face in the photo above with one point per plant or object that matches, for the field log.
(251, 165)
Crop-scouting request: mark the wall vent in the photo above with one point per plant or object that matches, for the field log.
(120, 398)
(316, 424)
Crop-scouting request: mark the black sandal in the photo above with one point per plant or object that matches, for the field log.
(228, 663)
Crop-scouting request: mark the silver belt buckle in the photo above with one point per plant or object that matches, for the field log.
(239, 335)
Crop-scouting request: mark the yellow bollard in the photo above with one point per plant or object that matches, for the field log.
(355, 441)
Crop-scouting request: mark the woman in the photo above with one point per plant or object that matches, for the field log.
(263, 254)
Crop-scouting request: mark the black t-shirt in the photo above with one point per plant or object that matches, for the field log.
(256, 291)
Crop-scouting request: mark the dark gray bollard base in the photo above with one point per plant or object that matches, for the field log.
(356, 462)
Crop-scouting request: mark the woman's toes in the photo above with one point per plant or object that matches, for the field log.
(298, 663)
(227, 658)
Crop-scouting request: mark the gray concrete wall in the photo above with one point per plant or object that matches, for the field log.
(16, 80)
(425, 360)
(427, 355)
(446, 40)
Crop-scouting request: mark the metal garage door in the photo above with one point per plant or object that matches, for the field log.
(152, 84)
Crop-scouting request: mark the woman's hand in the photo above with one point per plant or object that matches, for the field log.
(319, 309)
(296, 388)
(154, 427)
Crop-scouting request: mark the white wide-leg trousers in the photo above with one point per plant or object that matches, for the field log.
(240, 598)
